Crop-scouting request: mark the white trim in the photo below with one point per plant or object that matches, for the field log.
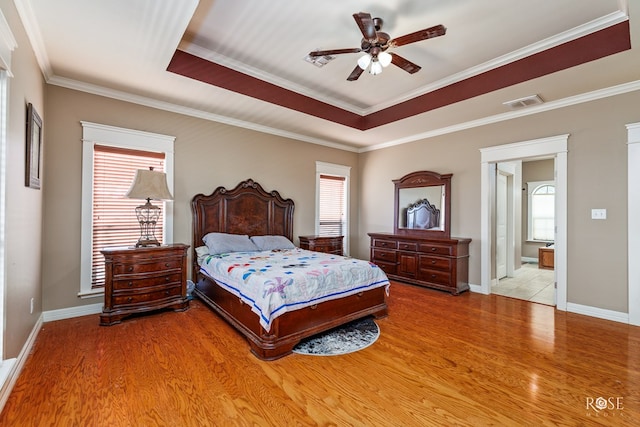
(600, 313)
(7, 45)
(92, 134)
(633, 226)
(71, 312)
(336, 170)
(490, 156)
(17, 364)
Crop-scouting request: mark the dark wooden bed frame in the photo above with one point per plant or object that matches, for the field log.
(249, 209)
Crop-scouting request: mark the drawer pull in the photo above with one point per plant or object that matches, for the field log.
(433, 276)
(166, 279)
(129, 299)
(313, 307)
(167, 292)
(130, 268)
(166, 264)
(359, 294)
(433, 249)
(130, 284)
(383, 244)
(433, 261)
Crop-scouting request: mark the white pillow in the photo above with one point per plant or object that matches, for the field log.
(268, 243)
(221, 243)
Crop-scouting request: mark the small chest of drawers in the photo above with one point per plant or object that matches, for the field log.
(138, 280)
(435, 263)
(330, 245)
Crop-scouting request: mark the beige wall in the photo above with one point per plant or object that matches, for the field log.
(539, 170)
(207, 155)
(23, 226)
(597, 174)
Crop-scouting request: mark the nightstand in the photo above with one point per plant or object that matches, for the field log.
(139, 280)
(330, 245)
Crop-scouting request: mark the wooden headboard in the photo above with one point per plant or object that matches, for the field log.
(247, 209)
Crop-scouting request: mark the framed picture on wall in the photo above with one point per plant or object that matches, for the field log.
(33, 165)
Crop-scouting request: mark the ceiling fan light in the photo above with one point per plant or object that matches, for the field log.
(364, 61)
(384, 58)
(376, 68)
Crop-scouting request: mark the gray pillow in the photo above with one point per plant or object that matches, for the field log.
(268, 243)
(220, 243)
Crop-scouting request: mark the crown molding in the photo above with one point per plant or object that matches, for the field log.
(191, 112)
(548, 106)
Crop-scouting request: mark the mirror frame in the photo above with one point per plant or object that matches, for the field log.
(424, 179)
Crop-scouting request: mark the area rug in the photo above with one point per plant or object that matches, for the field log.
(350, 337)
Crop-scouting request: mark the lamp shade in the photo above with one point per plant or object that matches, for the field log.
(149, 184)
(364, 61)
(384, 58)
(375, 68)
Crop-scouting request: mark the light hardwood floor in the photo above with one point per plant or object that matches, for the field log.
(441, 360)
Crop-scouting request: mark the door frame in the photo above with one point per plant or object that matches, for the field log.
(555, 146)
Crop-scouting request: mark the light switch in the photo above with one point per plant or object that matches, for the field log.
(598, 214)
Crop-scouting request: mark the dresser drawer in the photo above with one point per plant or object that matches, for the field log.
(408, 246)
(144, 267)
(383, 255)
(138, 298)
(148, 281)
(387, 267)
(435, 276)
(431, 248)
(435, 263)
(387, 244)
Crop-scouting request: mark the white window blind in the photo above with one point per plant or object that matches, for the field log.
(114, 219)
(332, 206)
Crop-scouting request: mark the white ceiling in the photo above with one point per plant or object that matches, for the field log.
(122, 48)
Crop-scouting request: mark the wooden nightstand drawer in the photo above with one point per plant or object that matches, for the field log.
(147, 282)
(155, 296)
(144, 267)
(436, 249)
(144, 279)
(326, 244)
(435, 276)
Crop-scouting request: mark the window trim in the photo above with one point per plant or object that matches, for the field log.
(532, 186)
(323, 168)
(97, 134)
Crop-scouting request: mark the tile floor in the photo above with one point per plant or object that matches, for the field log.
(530, 283)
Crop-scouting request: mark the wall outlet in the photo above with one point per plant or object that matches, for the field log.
(31, 307)
(598, 214)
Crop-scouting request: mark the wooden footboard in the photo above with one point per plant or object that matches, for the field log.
(288, 329)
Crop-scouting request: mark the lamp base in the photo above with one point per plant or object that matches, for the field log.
(144, 243)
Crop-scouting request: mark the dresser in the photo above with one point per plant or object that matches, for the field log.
(330, 245)
(434, 263)
(139, 280)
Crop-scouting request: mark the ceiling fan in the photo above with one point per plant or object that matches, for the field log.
(375, 44)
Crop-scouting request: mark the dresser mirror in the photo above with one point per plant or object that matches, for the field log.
(423, 204)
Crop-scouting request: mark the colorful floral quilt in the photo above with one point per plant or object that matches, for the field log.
(275, 282)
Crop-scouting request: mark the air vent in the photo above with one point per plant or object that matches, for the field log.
(524, 102)
(319, 61)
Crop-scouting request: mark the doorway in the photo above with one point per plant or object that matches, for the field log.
(555, 147)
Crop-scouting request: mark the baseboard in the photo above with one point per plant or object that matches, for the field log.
(68, 313)
(529, 260)
(600, 313)
(16, 365)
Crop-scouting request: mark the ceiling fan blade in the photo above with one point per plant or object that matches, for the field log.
(428, 33)
(357, 72)
(334, 52)
(366, 25)
(405, 64)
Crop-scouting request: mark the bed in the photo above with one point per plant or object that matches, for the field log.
(249, 210)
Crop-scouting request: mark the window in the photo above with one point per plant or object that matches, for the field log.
(110, 158)
(541, 201)
(114, 221)
(332, 191)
